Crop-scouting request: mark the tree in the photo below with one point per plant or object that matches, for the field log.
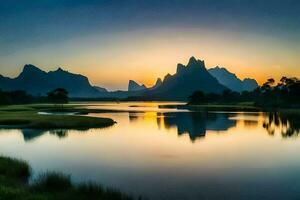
(58, 96)
(15, 97)
(267, 86)
(197, 97)
(3, 98)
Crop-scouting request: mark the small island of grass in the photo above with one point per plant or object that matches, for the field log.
(14, 175)
(27, 116)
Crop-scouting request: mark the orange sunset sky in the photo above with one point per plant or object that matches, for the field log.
(144, 41)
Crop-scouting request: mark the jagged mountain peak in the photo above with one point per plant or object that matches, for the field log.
(193, 62)
(220, 68)
(167, 77)
(158, 81)
(60, 70)
(180, 68)
(187, 80)
(31, 71)
(134, 86)
(31, 68)
(157, 84)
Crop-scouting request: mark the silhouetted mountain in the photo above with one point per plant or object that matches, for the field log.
(4, 82)
(157, 84)
(100, 89)
(185, 81)
(231, 81)
(249, 84)
(134, 86)
(37, 82)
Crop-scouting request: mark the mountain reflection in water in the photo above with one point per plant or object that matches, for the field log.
(196, 124)
(32, 134)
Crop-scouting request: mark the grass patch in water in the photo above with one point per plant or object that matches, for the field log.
(28, 117)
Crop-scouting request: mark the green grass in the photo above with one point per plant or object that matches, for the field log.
(13, 172)
(52, 181)
(14, 175)
(26, 116)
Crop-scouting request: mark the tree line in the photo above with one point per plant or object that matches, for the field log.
(57, 96)
(286, 93)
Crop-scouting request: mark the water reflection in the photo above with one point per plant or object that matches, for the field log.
(287, 124)
(33, 134)
(195, 124)
(30, 135)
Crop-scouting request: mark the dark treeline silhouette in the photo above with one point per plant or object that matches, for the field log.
(17, 97)
(57, 96)
(284, 94)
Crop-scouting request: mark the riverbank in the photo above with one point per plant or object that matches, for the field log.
(14, 176)
(29, 116)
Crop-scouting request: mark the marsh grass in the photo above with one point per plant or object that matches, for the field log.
(13, 171)
(14, 175)
(52, 181)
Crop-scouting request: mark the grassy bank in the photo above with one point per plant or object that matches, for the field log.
(26, 116)
(14, 175)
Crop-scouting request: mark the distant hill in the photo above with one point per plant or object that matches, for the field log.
(185, 81)
(231, 81)
(37, 82)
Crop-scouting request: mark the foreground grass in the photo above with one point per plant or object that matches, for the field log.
(14, 175)
(26, 116)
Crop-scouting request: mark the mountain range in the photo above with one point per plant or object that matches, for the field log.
(37, 82)
(187, 79)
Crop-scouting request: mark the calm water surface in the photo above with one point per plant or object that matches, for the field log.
(167, 154)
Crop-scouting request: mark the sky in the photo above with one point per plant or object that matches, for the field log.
(112, 41)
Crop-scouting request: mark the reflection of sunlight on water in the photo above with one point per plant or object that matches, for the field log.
(136, 106)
